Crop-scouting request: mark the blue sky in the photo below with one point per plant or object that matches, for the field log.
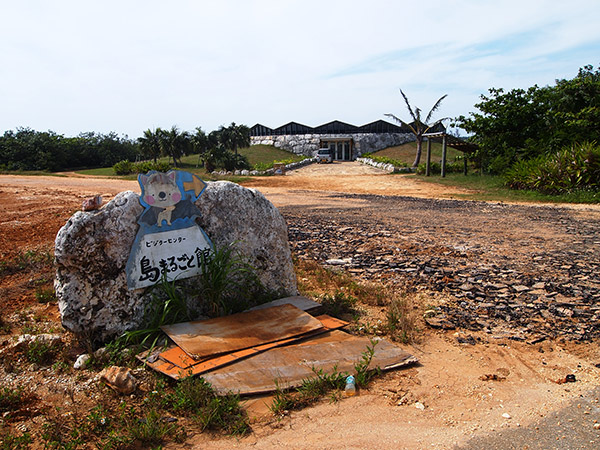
(126, 66)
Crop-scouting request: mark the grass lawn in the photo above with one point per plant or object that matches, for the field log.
(406, 152)
(262, 155)
(267, 154)
(491, 188)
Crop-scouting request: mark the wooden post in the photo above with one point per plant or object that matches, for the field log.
(465, 160)
(444, 155)
(428, 160)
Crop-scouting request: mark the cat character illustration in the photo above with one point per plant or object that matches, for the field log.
(165, 200)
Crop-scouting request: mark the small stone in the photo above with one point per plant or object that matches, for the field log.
(119, 378)
(420, 406)
(81, 361)
(337, 262)
(597, 426)
(506, 415)
(92, 203)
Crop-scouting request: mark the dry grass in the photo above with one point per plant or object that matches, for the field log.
(373, 308)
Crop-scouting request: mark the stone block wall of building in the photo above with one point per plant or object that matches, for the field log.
(308, 144)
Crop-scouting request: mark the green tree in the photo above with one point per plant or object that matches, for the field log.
(239, 136)
(522, 124)
(417, 126)
(508, 125)
(150, 144)
(575, 110)
(174, 143)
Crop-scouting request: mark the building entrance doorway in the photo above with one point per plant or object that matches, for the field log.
(342, 148)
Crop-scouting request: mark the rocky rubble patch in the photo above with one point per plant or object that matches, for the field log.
(538, 279)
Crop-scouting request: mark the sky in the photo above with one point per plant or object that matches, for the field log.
(131, 65)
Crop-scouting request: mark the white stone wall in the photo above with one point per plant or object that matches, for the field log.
(307, 144)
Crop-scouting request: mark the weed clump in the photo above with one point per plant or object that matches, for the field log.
(339, 304)
(41, 352)
(194, 397)
(314, 388)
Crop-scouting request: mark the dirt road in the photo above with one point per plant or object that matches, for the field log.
(444, 401)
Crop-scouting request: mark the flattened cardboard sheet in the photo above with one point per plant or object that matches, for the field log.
(175, 363)
(204, 338)
(286, 367)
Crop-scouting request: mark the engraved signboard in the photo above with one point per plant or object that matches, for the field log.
(169, 243)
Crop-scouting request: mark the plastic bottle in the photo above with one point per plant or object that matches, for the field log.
(350, 389)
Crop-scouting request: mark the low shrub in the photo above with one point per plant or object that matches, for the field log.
(147, 166)
(30, 260)
(8, 441)
(219, 158)
(127, 167)
(123, 167)
(262, 166)
(575, 168)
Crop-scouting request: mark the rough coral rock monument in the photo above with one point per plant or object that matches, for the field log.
(106, 259)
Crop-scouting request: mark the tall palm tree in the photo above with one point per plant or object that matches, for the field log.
(150, 143)
(419, 127)
(200, 143)
(174, 143)
(239, 136)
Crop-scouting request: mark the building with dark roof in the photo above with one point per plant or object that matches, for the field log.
(347, 141)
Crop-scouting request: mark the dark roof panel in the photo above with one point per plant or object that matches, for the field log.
(293, 128)
(336, 127)
(260, 130)
(333, 127)
(381, 126)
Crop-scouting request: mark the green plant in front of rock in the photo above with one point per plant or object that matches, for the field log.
(229, 284)
(45, 295)
(168, 305)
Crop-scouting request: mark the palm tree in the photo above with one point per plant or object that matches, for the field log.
(150, 143)
(200, 143)
(174, 143)
(419, 127)
(238, 136)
